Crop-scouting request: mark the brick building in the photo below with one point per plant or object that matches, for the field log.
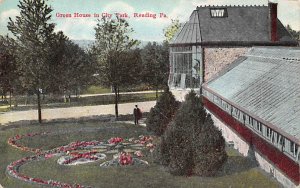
(215, 36)
(256, 104)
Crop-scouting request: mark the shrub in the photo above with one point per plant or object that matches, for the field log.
(210, 152)
(162, 113)
(192, 144)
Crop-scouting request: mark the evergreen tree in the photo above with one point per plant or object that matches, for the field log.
(162, 113)
(210, 152)
(192, 144)
(33, 34)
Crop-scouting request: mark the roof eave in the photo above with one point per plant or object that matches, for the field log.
(270, 125)
(236, 43)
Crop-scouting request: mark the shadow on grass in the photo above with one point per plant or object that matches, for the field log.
(99, 118)
(236, 164)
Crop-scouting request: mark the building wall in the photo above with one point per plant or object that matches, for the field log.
(243, 147)
(269, 158)
(216, 59)
(230, 136)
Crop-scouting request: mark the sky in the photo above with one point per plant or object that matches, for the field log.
(145, 28)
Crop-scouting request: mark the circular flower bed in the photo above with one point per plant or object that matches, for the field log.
(126, 152)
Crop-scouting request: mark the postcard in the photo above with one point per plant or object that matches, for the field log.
(149, 93)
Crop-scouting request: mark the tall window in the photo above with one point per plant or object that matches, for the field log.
(218, 12)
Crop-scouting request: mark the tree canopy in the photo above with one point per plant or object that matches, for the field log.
(8, 68)
(172, 29)
(113, 40)
(47, 61)
(155, 60)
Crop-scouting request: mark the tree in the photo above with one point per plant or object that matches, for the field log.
(33, 34)
(172, 29)
(295, 34)
(8, 69)
(71, 67)
(112, 39)
(192, 144)
(162, 113)
(155, 60)
(132, 66)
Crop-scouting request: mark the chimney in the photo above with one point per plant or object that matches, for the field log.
(273, 21)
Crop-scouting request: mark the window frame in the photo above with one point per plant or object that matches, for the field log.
(217, 14)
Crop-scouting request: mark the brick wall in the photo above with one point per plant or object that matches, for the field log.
(215, 59)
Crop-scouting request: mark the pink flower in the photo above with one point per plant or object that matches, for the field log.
(150, 145)
(48, 156)
(138, 154)
(125, 159)
(115, 140)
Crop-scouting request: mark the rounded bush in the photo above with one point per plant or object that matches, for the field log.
(192, 144)
(162, 113)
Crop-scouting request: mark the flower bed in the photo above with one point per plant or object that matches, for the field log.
(71, 155)
(125, 159)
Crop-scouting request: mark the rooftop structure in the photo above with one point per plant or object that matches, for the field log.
(215, 36)
(234, 25)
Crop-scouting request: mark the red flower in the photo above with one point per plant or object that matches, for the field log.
(125, 159)
(115, 140)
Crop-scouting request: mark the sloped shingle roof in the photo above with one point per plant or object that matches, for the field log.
(247, 25)
(266, 82)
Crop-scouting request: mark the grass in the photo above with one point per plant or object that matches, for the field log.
(5, 108)
(237, 172)
(100, 90)
(96, 90)
(86, 101)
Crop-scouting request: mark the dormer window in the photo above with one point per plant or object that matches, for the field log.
(218, 12)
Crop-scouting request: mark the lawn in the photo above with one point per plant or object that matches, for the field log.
(237, 172)
(57, 101)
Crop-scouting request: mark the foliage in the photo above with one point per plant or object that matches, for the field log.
(112, 41)
(162, 113)
(172, 29)
(131, 67)
(73, 68)
(47, 61)
(192, 144)
(295, 34)
(155, 60)
(33, 34)
(8, 68)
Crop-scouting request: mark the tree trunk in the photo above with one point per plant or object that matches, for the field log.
(116, 102)
(156, 92)
(118, 94)
(39, 106)
(10, 98)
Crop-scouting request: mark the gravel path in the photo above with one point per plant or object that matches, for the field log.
(74, 112)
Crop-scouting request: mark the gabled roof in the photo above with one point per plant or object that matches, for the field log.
(266, 83)
(243, 26)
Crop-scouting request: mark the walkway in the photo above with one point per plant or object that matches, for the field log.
(74, 112)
